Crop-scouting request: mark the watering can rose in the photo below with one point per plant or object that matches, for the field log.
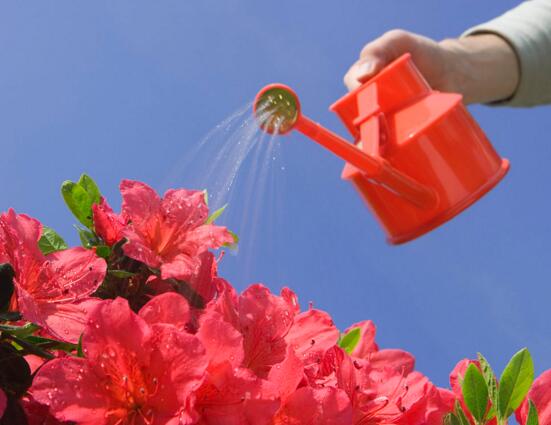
(137, 327)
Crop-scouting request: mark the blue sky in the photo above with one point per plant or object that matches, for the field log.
(127, 89)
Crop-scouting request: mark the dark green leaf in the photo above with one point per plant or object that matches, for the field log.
(515, 382)
(20, 331)
(532, 414)
(216, 214)
(451, 419)
(6, 286)
(50, 241)
(10, 316)
(80, 352)
(103, 251)
(491, 383)
(349, 341)
(88, 238)
(15, 373)
(50, 344)
(461, 414)
(475, 392)
(80, 197)
(121, 274)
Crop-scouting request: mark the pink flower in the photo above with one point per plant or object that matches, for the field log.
(53, 290)
(313, 406)
(367, 349)
(168, 233)
(38, 414)
(263, 319)
(540, 394)
(229, 391)
(133, 372)
(108, 225)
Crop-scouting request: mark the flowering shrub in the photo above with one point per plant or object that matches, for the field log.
(136, 327)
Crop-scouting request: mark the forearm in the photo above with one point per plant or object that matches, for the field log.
(483, 67)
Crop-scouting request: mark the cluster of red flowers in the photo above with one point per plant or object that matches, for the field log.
(136, 327)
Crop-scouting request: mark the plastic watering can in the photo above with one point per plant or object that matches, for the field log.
(418, 157)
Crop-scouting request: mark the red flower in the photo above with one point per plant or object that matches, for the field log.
(540, 394)
(133, 372)
(50, 290)
(168, 233)
(108, 225)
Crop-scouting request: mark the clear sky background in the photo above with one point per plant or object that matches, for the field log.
(127, 89)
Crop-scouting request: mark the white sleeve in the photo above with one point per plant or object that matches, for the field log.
(527, 28)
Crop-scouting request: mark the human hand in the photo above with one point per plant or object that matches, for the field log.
(483, 68)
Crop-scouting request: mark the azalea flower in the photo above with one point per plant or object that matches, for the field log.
(51, 290)
(107, 224)
(540, 395)
(168, 233)
(133, 372)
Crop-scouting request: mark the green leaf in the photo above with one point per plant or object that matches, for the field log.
(206, 196)
(80, 197)
(349, 341)
(451, 419)
(491, 383)
(88, 238)
(235, 241)
(532, 414)
(90, 187)
(103, 251)
(6, 286)
(50, 241)
(80, 351)
(121, 274)
(475, 392)
(514, 383)
(216, 214)
(20, 331)
(461, 414)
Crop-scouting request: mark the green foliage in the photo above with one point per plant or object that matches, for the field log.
(514, 383)
(216, 214)
(475, 392)
(80, 197)
(50, 241)
(480, 386)
(491, 383)
(350, 340)
(532, 418)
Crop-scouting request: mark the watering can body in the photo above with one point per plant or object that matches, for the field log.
(423, 137)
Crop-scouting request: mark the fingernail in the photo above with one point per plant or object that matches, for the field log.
(366, 68)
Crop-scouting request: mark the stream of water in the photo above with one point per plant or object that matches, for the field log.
(240, 166)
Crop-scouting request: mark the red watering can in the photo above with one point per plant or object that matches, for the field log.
(418, 157)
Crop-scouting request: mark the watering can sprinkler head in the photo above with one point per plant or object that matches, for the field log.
(276, 108)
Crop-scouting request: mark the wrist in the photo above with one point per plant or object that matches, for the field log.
(482, 67)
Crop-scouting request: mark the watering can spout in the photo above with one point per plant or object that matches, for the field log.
(277, 110)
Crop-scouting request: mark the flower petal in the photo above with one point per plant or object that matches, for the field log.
(72, 391)
(540, 394)
(367, 344)
(168, 308)
(221, 340)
